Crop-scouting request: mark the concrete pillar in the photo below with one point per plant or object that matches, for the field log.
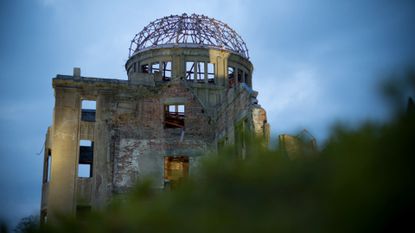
(178, 66)
(102, 162)
(61, 198)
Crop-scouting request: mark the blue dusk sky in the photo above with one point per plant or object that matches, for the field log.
(316, 62)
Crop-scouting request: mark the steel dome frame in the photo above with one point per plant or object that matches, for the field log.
(184, 30)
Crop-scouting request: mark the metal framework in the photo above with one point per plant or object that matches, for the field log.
(188, 31)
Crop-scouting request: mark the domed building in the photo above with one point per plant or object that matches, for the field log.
(189, 92)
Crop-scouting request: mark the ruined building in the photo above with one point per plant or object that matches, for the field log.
(189, 91)
(299, 146)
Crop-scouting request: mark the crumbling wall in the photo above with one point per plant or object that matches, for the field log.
(140, 142)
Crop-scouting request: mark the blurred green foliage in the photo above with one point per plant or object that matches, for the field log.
(361, 181)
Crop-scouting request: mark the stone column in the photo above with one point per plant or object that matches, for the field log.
(65, 133)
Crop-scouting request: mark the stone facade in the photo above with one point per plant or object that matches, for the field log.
(167, 115)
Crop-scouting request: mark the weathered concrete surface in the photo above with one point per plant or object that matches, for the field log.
(129, 134)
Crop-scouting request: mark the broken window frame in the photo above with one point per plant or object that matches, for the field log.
(174, 118)
(190, 71)
(88, 113)
(167, 70)
(200, 77)
(86, 157)
(145, 69)
(155, 68)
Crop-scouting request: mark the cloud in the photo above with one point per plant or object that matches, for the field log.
(48, 3)
(294, 99)
(293, 90)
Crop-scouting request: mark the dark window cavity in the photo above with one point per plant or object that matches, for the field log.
(86, 158)
(144, 68)
(88, 111)
(174, 116)
(246, 78)
(240, 75)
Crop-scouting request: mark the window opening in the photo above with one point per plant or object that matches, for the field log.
(88, 110)
(240, 75)
(135, 70)
(200, 72)
(47, 166)
(211, 72)
(190, 71)
(246, 78)
(166, 71)
(86, 157)
(176, 169)
(231, 76)
(155, 67)
(174, 116)
(144, 68)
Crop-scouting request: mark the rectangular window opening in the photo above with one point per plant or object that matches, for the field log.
(190, 71)
(155, 67)
(176, 169)
(167, 71)
(240, 75)
(174, 116)
(231, 72)
(88, 110)
(246, 77)
(48, 166)
(144, 68)
(200, 72)
(211, 72)
(231, 76)
(86, 157)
